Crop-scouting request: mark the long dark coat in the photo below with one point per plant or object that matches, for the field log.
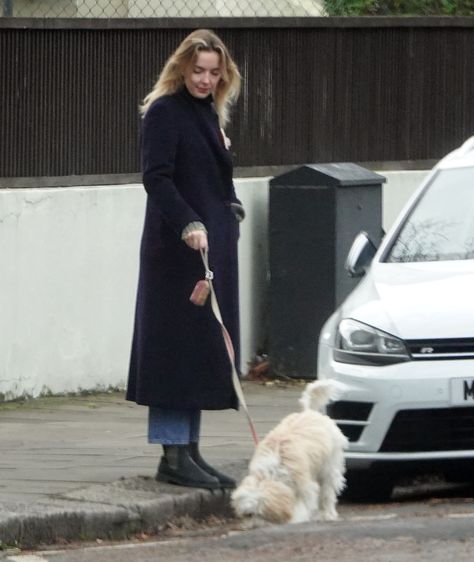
(178, 358)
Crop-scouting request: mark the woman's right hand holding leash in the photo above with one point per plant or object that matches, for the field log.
(196, 239)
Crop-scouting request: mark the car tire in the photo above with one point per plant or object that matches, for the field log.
(367, 487)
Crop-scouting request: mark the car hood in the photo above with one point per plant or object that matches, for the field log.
(428, 300)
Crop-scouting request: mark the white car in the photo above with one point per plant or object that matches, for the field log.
(402, 343)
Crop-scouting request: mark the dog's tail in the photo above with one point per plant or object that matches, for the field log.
(317, 394)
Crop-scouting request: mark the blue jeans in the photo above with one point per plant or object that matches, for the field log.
(173, 427)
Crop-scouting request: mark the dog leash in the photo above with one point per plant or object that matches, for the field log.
(228, 343)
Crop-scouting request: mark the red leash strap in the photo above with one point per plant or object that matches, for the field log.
(228, 343)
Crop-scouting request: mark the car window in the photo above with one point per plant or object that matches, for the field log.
(441, 225)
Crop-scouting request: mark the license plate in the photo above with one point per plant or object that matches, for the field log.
(462, 391)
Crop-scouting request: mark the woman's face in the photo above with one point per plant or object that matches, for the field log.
(202, 77)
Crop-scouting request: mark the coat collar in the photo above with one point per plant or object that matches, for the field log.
(209, 100)
(205, 110)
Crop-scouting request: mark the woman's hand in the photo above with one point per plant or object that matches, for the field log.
(196, 239)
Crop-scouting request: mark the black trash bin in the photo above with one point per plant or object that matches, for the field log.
(315, 213)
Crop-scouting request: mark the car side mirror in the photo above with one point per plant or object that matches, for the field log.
(360, 255)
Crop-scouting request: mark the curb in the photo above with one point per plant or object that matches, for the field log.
(108, 511)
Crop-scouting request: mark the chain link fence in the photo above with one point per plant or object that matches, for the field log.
(160, 8)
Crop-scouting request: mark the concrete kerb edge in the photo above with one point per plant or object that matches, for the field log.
(66, 520)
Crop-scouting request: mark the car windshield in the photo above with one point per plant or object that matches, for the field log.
(441, 226)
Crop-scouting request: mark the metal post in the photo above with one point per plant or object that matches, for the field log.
(7, 8)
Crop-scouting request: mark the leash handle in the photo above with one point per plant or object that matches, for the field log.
(228, 343)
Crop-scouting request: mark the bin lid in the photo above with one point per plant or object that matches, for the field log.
(333, 174)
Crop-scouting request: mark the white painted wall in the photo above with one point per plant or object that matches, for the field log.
(68, 274)
(253, 260)
(69, 267)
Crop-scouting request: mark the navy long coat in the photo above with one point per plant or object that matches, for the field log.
(178, 357)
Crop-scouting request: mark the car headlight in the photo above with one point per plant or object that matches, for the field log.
(361, 344)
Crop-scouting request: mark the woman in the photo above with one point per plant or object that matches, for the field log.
(179, 363)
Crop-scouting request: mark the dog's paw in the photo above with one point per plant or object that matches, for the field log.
(328, 516)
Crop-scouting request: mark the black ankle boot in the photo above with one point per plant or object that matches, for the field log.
(177, 467)
(224, 480)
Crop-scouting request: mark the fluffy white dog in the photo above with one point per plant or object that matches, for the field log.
(297, 470)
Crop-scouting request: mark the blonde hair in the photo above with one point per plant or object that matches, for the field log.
(171, 78)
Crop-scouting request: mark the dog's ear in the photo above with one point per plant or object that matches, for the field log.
(278, 501)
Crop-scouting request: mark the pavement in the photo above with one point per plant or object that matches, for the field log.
(80, 468)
